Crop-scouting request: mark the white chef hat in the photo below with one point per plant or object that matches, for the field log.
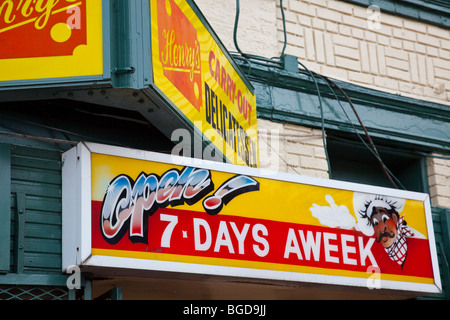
(363, 204)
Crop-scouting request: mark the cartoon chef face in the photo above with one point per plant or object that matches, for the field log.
(384, 223)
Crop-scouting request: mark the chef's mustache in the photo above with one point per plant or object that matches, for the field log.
(385, 234)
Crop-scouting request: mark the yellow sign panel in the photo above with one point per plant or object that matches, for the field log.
(191, 69)
(50, 39)
(153, 212)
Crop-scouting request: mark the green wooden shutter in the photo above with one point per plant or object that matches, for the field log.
(441, 219)
(351, 161)
(36, 210)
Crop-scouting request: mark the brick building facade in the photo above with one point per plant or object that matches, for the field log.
(401, 55)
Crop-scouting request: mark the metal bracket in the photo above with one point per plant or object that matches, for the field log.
(126, 70)
(290, 63)
(20, 233)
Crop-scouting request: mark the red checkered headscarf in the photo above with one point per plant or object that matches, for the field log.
(397, 251)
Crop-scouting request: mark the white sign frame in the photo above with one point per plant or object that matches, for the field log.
(76, 223)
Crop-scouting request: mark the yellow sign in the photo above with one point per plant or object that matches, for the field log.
(50, 39)
(154, 212)
(191, 69)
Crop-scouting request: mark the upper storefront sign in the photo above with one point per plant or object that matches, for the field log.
(147, 211)
(192, 69)
(50, 40)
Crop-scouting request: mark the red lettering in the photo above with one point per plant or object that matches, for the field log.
(212, 58)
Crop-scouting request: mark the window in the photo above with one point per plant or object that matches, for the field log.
(351, 161)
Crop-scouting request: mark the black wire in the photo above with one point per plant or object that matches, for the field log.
(322, 116)
(45, 139)
(251, 59)
(236, 22)
(62, 131)
(279, 64)
(359, 136)
(284, 29)
(372, 145)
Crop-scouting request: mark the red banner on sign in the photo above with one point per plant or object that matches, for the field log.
(180, 232)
